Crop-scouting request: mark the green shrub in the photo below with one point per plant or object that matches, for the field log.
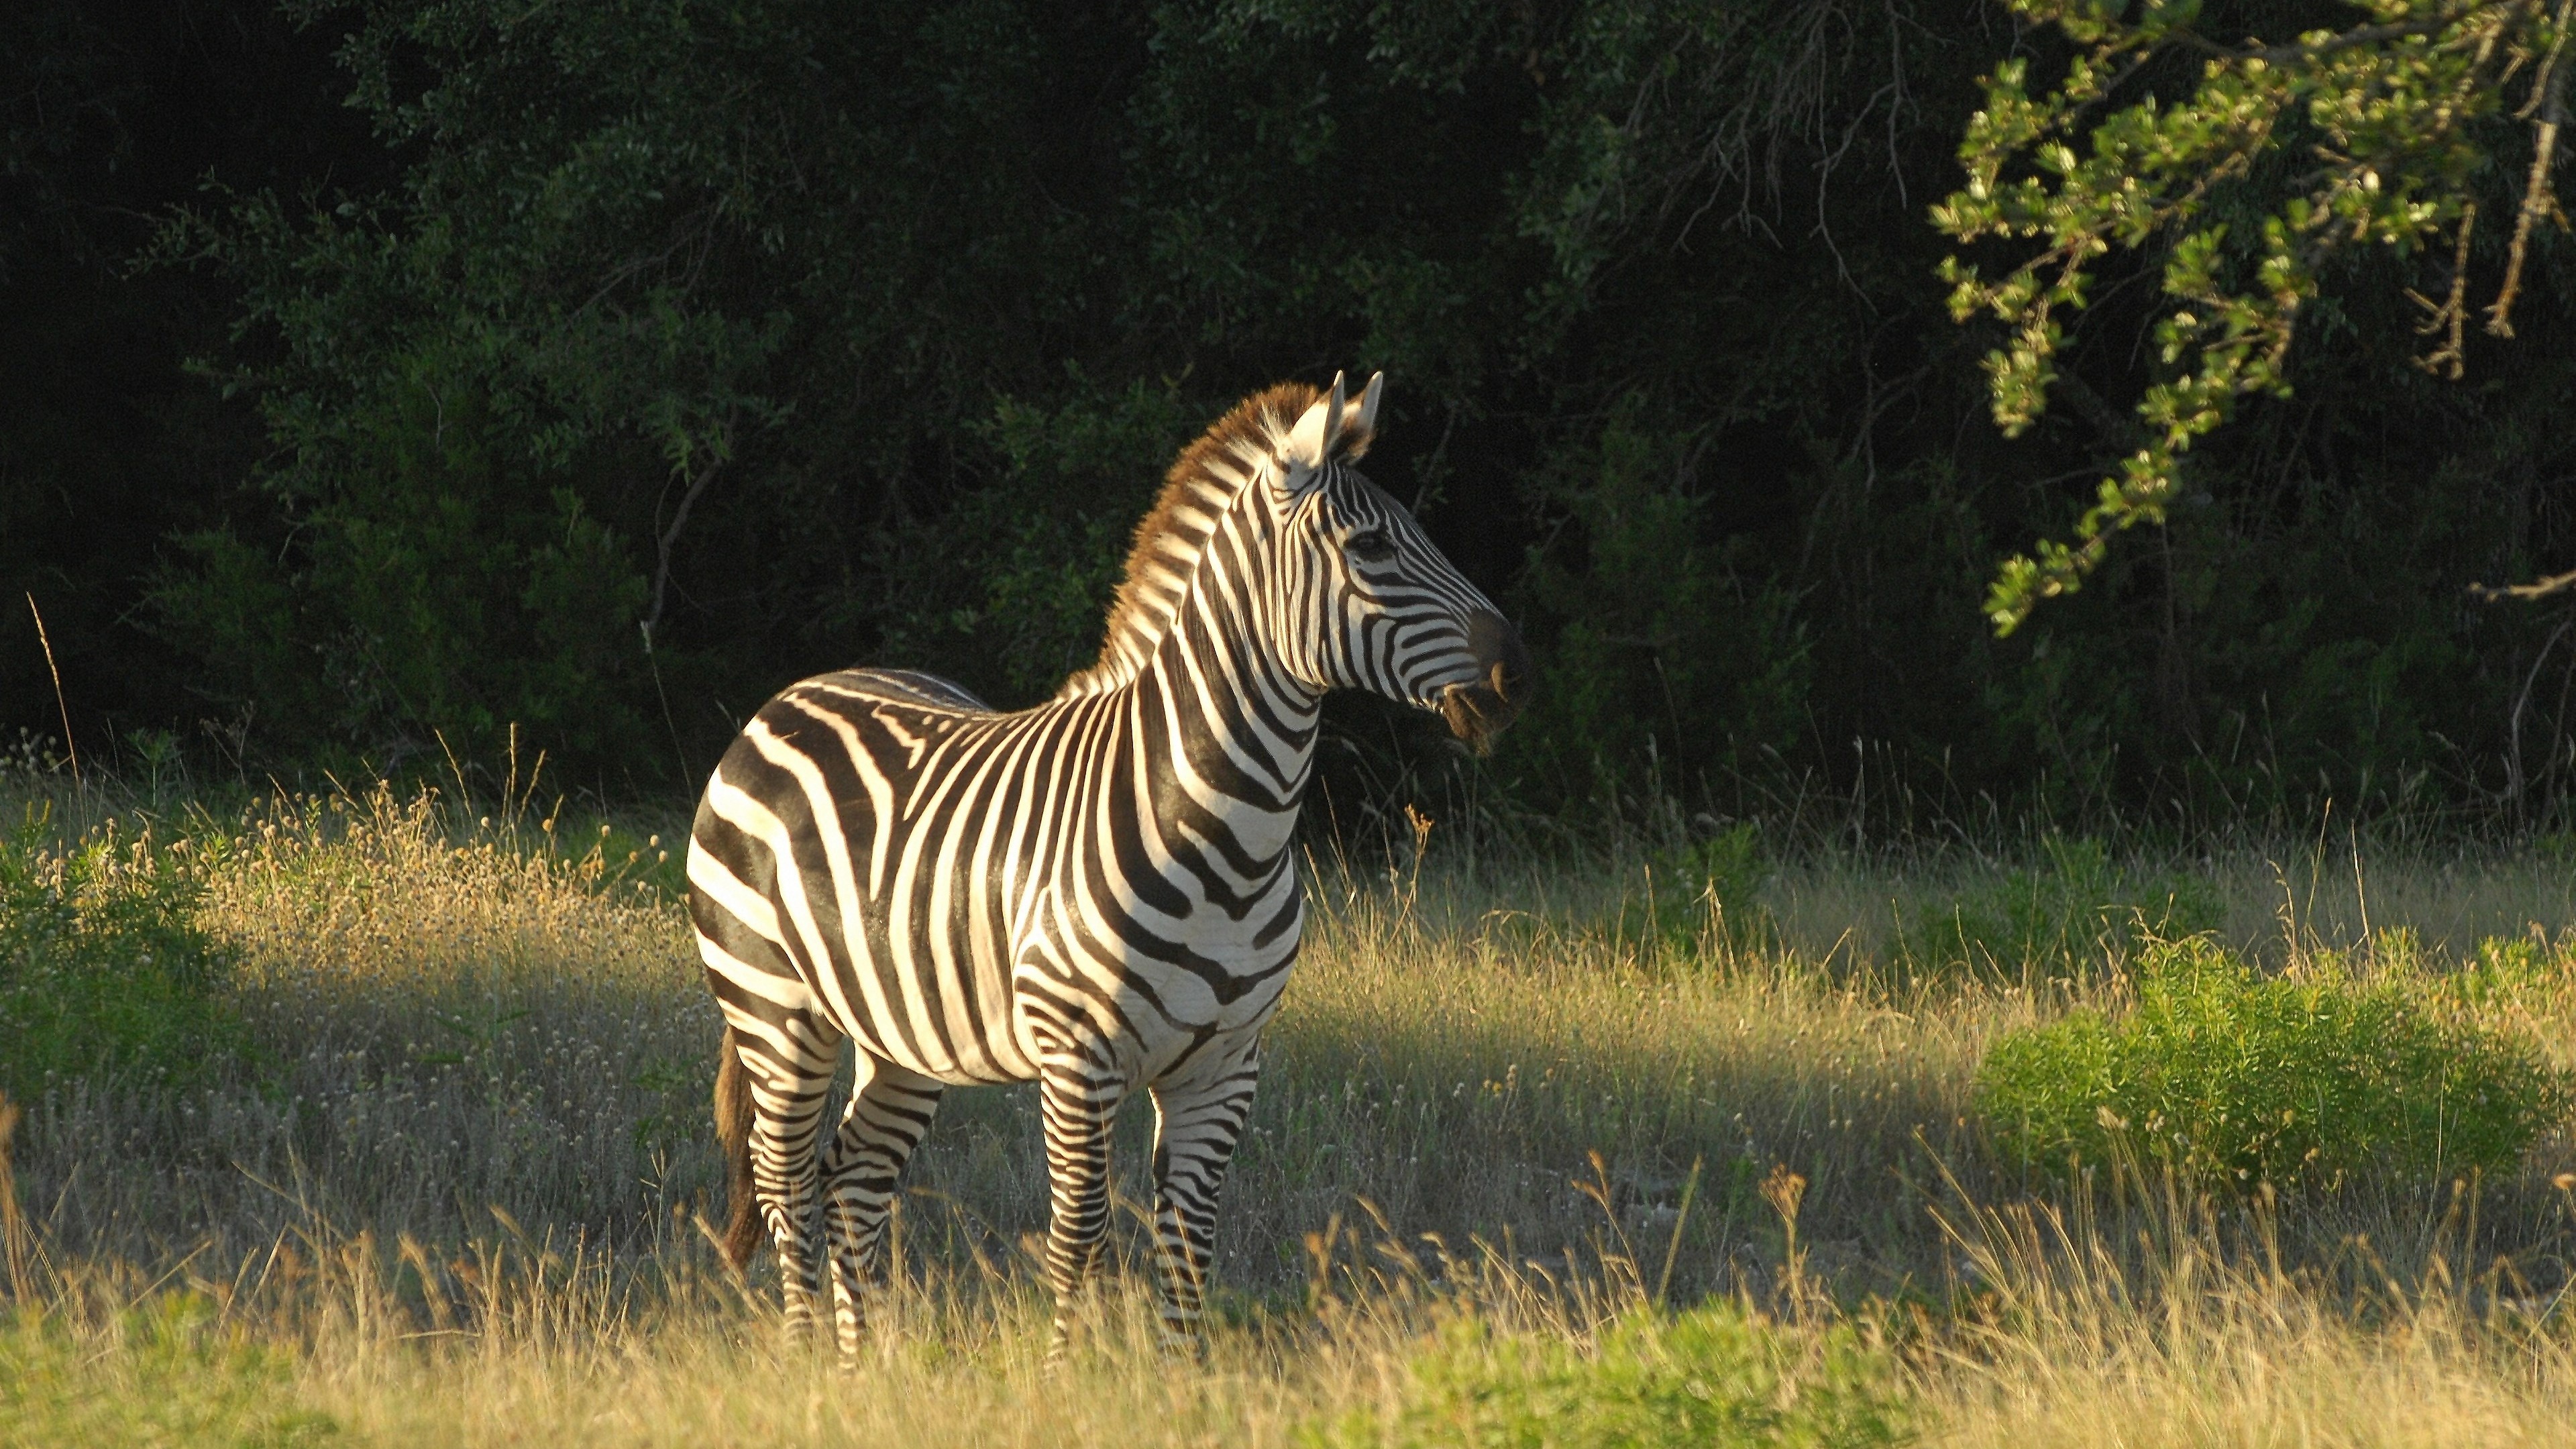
(2236, 1079)
(2506, 969)
(103, 969)
(1710, 1377)
(2075, 907)
(1691, 898)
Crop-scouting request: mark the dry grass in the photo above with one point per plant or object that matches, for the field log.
(452, 1201)
(443, 1025)
(2181, 1340)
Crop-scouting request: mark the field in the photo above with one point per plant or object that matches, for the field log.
(1679, 1119)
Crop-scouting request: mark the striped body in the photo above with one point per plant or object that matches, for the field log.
(1097, 893)
(962, 890)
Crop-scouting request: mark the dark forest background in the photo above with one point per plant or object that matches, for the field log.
(380, 374)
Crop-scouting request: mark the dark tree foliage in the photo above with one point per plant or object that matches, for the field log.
(607, 366)
(108, 116)
(2160, 135)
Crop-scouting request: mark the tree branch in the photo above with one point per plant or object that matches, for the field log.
(2453, 312)
(2349, 40)
(2537, 199)
(2123, 430)
(2537, 589)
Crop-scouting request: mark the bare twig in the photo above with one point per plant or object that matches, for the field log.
(662, 582)
(13, 1228)
(2513, 747)
(679, 520)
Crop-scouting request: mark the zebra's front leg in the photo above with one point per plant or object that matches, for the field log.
(890, 1108)
(1077, 1103)
(1199, 1114)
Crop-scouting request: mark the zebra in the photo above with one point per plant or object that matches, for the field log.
(1095, 893)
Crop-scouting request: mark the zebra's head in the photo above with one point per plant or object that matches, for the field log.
(1369, 602)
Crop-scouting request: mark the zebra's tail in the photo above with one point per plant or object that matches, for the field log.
(733, 1130)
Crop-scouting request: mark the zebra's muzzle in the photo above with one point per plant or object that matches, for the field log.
(1478, 712)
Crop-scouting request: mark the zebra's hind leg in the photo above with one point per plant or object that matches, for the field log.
(1077, 1102)
(890, 1108)
(790, 1065)
(1199, 1114)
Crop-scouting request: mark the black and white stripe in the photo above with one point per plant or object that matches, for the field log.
(1096, 894)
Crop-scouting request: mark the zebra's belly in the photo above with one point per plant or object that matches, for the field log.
(946, 1019)
(931, 994)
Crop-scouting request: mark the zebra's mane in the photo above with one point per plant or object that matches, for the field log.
(1248, 443)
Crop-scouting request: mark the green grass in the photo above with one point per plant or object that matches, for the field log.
(162, 1372)
(1714, 1376)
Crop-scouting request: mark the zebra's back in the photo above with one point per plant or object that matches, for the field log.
(912, 687)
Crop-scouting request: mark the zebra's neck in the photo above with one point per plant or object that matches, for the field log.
(1236, 727)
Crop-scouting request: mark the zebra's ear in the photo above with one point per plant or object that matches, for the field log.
(1367, 424)
(1311, 442)
(1358, 426)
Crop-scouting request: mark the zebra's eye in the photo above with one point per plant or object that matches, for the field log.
(1371, 546)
